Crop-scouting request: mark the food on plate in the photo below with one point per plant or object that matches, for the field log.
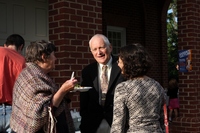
(78, 86)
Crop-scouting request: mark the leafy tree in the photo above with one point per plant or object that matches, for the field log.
(172, 39)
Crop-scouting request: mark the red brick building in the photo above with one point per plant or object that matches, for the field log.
(73, 22)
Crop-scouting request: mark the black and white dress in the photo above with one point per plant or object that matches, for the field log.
(138, 107)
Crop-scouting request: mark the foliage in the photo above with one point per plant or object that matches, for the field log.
(172, 39)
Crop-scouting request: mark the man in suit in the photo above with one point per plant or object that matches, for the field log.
(96, 105)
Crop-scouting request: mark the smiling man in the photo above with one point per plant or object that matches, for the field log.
(96, 105)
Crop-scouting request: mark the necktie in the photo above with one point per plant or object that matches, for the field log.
(104, 84)
(104, 80)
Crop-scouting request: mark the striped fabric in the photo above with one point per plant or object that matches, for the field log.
(33, 92)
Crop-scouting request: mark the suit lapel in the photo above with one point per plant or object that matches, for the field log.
(114, 72)
(95, 82)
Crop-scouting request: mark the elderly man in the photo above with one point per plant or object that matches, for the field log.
(96, 105)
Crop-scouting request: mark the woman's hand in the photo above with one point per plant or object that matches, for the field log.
(68, 85)
(64, 89)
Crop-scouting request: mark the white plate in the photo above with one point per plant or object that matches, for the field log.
(81, 89)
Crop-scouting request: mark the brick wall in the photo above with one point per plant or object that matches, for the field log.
(71, 25)
(73, 22)
(143, 23)
(188, 38)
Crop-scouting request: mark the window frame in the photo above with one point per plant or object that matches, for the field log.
(122, 31)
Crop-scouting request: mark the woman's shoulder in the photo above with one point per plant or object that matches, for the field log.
(123, 84)
(127, 85)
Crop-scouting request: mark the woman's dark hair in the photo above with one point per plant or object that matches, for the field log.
(136, 60)
(36, 49)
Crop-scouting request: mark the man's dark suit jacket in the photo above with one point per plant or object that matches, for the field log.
(91, 111)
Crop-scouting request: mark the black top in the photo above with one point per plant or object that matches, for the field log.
(172, 92)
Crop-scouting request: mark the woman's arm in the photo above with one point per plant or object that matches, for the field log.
(64, 89)
(119, 111)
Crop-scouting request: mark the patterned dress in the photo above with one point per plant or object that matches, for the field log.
(138, 107)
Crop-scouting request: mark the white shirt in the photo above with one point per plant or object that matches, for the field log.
(104, 126)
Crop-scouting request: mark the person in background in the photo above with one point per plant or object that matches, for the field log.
(11, 64)
(35, 92)
(138, 101)
(173, 98)
(96, 105)
(177, 66)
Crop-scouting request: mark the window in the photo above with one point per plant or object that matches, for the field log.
(117, 37)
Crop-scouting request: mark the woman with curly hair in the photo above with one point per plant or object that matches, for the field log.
(138, 101)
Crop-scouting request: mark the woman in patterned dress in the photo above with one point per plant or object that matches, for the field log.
(138, 102)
